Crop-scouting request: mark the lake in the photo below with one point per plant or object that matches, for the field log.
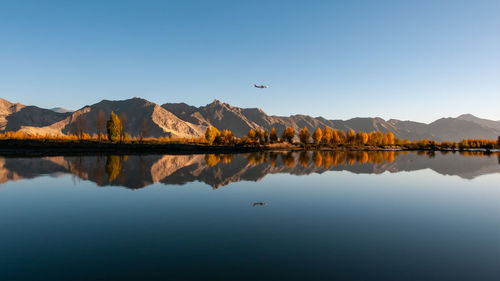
(383, 215)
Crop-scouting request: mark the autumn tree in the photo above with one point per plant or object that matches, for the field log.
(389, 138)
(114, 127)
(211, 133)
(274, 137)
(288, 134)
(317, 136)
(327, 136)
(100, 123)
(266, 136)
(79, 126)
(361, 138)
(259, 134)
(351, 137)
(227, 136)
(304, 135)
(123, 120)
(335, 140)
(341, 136)
(252, 135)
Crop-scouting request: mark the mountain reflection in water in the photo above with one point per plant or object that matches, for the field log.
(217, 170)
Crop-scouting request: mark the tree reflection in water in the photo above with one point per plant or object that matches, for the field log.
(221, 169)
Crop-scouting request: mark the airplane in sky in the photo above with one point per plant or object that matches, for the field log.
(260, 86)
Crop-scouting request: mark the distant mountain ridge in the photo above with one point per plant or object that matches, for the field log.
(183, 120)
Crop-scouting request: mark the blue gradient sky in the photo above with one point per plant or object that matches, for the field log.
(417, 60)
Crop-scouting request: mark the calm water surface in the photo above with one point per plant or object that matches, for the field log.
(264, 216)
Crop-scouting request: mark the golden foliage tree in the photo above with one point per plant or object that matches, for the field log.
(317, 135)
(304, 135)
(361, 138)
(114, 127)
(335, 140)
(274, 137)
(252, 135)
(227, 136)
(327, 136)
(288, 134)
(390, 138)
(211, 133)
(351, 137)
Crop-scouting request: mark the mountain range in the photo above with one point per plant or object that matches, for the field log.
(184, 121)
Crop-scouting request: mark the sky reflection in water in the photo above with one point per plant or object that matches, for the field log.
(399, 217)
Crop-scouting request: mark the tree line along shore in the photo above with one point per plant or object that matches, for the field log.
(115, 136)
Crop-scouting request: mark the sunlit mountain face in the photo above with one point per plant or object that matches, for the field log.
(138, 171)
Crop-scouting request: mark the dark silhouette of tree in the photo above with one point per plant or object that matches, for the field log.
(304, 135)
(100, 123)
(79, 126)
(288, 134)
(114, 127)
(123, 120)
(144, 129)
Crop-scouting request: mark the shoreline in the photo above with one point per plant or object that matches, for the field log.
(31, 148)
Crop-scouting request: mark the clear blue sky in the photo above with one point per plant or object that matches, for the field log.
(417, 60)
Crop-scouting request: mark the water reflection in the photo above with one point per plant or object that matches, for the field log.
(221, 169)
